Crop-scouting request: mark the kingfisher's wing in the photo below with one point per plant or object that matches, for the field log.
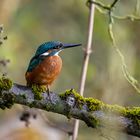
(35, 61)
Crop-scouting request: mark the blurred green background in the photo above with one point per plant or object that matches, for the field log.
(29, 23)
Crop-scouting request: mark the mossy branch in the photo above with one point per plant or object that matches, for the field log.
(93, 112)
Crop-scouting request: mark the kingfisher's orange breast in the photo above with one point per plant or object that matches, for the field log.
(46, 72)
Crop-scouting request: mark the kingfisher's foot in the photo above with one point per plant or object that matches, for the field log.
(48, 92)
(48, 89)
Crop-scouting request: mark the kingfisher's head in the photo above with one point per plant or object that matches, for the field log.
(48, 49)
(52, 48)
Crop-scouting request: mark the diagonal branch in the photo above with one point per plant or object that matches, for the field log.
(133, 81)
(92, 111)
(113, 4)
(104, 9)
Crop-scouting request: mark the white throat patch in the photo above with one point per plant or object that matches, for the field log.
(53, 53)
(45, 54)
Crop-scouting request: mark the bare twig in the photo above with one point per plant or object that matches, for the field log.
(98, 4)
(103, 9)
(126, 73)
(85, 63)
(127, 17)
(137, 7)
(113, 4)
(111, 16)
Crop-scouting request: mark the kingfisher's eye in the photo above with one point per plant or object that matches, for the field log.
(59, 46)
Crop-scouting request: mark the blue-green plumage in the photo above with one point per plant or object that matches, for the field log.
(45, 65)
(47, 46)
(37, 58)
(33, 63)
(53, 46)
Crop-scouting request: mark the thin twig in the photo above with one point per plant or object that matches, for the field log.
(103, 9)
(125, 71)
(111, 16)
(129, 17)
(137, 6)
(85, 63)
(113, 4)
(98, 4)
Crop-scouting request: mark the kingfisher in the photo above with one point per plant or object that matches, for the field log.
(45, 66)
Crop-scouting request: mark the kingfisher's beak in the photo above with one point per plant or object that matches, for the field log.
(70, 45)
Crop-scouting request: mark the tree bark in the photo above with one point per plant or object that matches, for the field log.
(92, 111)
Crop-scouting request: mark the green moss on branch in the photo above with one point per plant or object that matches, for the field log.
(95, 105)
(38, 90)
(5, 83)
